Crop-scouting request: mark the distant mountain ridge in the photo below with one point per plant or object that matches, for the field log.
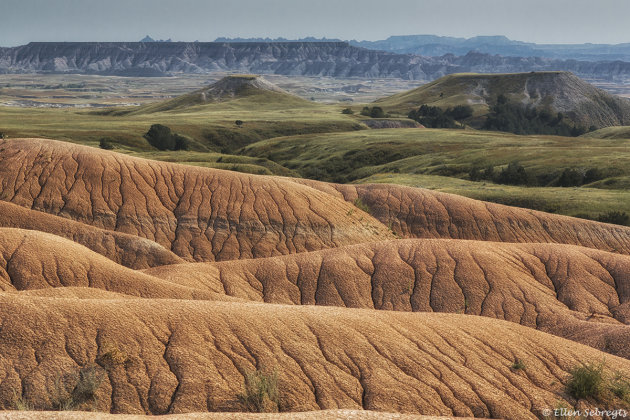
(436, 46)
(334, 59)
(432, 45)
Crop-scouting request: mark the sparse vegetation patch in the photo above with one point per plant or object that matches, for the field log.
(260, 393)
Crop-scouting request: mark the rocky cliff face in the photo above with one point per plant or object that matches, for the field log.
(336, 59)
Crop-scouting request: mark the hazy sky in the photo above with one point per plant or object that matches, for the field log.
(542, 21)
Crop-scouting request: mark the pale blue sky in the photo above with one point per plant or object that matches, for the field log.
(542, 21)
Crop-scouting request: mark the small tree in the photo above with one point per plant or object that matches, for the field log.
(238, 123)
(160, 137)
(347, 111)
(377, 112)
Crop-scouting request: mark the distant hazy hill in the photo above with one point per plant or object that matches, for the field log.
(562, 92)
(334, 59)
(432, 45)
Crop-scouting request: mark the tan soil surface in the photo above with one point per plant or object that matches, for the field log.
(166, 285)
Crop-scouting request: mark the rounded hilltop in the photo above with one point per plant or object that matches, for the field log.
(558, 91)
(237, 85)
(249, 89)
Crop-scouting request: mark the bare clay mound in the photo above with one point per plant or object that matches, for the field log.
(573, 292)
(238, 263)
(306, 415)
(31, 260)
(159, 356)
(128, 250)
(199, 214)
(421, 213)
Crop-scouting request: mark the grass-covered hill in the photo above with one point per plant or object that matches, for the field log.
(618, 132)
(574, 176)
(222, 117)
(580, 102)
(249, 89)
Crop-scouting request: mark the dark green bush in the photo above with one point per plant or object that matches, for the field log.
(377, 112)
(161, 137)
(347, 111)
(515, 117)
(615, 217)
(586, 381)
(513, 174)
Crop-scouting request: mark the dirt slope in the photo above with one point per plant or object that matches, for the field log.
(421, 213)
(178, 356)
(128, 250)
(31, 260)
(199, 214)
(172, 283)
(307, 415)
(573, 292)
(569, 291)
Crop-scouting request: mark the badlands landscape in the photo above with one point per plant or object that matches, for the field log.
(251, 265)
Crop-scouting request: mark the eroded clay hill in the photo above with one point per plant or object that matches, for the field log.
(569, 291)
(128, 250)
(182, 356)
(199, 214)
(420, 213)
(166, 285)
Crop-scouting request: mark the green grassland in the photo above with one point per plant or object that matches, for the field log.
(442, 159)
(351, 156)
(621, 132)
(210, 126)
(247, 164)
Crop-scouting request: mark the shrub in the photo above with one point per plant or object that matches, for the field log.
(518, 364)
(90, 378)
(86, 381)
(586, 381)
(111, 357)
(358, 203)
(615, 217)
(20, 404)
(181, 142)
(238, 123)
(106, 143)
(260, 394)
(161, 137)
(570, 178)
(347, 111)
(620, 386)
(377, 112)
(514, 174)
(366, 111)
